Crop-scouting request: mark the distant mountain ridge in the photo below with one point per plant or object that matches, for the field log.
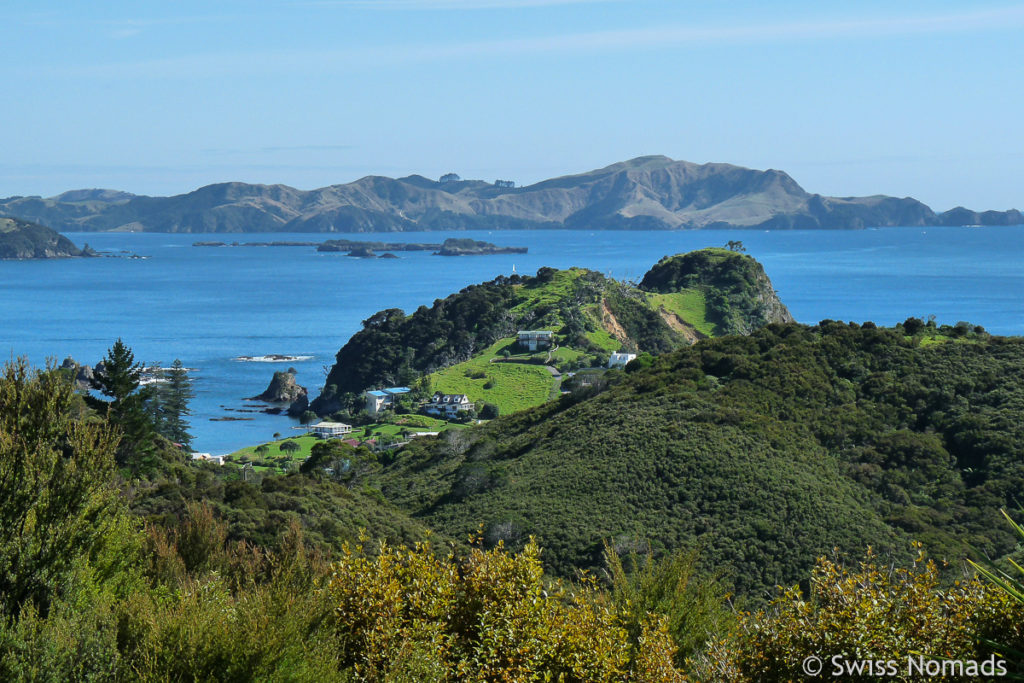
(646, 193)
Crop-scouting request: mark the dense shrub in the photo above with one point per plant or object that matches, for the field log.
(405, 614)
(869, 612)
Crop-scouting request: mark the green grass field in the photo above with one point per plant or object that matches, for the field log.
(418, 423)
(689, 305)
(515, 387)
(939, 338)
(274, 450)
(564, 353)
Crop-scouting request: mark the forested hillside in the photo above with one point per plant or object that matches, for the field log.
(690, 483)
(766, 451)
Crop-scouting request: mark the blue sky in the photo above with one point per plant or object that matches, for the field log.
(920, 99)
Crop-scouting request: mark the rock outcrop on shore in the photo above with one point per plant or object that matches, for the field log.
(83, 375)
(284, 389)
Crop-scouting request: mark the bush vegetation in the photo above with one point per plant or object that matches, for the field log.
(183, 573)
(873, 614)
(771, 449)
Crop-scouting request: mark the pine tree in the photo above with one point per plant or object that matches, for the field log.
(175, 394)
(119, 380)
(120, 376)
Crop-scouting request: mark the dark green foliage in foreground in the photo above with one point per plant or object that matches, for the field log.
(171, 399)
(86, 593)
(191, 597)
(56, 502)
(120, 382)
(694, 605)
(766, 450)
(329, 512)
(873, 611)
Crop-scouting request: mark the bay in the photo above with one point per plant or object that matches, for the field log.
(208, 306)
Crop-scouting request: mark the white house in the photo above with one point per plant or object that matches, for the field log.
(619, 360)
(447, 405)
(382, 399)
(330, 430)
(219, 459)
(535, 339)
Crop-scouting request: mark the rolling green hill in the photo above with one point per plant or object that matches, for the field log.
(463, 341)
(765, 451)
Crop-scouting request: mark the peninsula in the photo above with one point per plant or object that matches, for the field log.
(23, 240)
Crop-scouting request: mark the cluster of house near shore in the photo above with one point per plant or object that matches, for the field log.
(447, 406)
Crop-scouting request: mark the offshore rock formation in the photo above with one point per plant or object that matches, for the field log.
(284, 389)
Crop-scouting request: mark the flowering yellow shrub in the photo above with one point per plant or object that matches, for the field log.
(406, 614)
(872, 622)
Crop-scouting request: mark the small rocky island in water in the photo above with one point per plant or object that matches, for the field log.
(468, 247)
(368, 249)
(450, 247)
(283, 389)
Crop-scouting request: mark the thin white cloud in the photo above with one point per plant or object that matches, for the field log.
(291, 61)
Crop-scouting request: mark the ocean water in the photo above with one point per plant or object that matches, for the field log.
(208, 306)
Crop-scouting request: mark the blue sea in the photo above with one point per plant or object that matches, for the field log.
(209, 306)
